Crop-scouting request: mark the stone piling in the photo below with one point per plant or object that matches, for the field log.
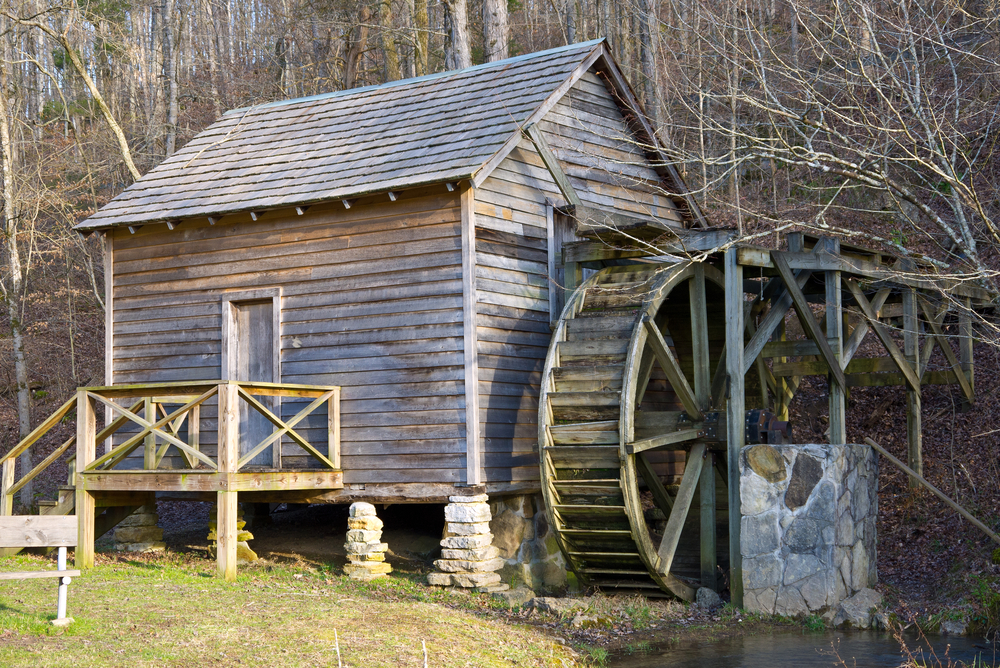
(468, 558)
(244, 554)
(365, 549)
(139, 531)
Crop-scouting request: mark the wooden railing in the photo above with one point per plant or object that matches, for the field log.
(161, 427)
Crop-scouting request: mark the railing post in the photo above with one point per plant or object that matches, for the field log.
(6, 482)
(149, 444)
(333, 428)
(229, 455)
(86, 432)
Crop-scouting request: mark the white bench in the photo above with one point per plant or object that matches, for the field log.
(43, 531)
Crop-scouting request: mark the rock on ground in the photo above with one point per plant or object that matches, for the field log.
(858, 610)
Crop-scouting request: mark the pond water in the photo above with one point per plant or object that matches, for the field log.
(846, 649)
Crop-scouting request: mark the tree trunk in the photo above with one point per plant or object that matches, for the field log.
(496, 30)
(422, 37)
(358, 45)
(170, 76)
(570, 21)
(213, 59)
(388, 41)
(14, 291)
(646, 61)
(457, 54)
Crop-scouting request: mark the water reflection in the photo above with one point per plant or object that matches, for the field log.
(861, 649)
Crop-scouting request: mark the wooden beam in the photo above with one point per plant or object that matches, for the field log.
(809, 323)
(735, 416)
(699, 338)
(552, 164)
(682, 504)
(470, 340)
(938, 493)
(775, 316)
(911, 348)
(670, 438)
(6, 483)
(935, 326)
(858, 335)
(824, 260)
(86, 431)
(229, 428)
(965, 341)
(227, 511)
(212, 220)
(706, 492)
(834, 339)
(883, 335)
(672, 369)
(301, 210)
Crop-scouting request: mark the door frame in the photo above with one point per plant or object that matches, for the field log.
(230, 301)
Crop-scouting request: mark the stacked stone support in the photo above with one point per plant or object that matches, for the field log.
(365, 549)
(808, 528)
(468, 558)
(139, 533)
(244, 554)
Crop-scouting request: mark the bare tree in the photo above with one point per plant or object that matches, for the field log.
(496, 30)
(457, 52)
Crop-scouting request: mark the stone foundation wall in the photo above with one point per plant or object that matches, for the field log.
(528, 547)
(808, 526)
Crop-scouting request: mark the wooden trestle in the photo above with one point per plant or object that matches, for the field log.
(656, 364)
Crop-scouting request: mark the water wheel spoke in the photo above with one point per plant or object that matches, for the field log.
(679, 512)
(671, 438)
(668, 362)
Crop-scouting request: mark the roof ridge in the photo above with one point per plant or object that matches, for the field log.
(427, 77)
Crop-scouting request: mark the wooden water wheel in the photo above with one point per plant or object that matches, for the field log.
(627, 396)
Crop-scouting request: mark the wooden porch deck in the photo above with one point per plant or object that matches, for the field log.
(221, 471)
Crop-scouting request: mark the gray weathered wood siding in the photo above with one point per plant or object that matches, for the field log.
(588, 134)
(371, 301)
(512, 290)
(601, 156)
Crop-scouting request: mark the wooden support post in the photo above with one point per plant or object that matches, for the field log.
(784, 394)
(333, 428)
(706, 490)
(911, 349)
(229, 455)
(149, 450)
(965, 347)
(835, 334)
(86, 433)
(225, 529)
(735, 416)
(473, 444)
(699, 338)
(6, 482)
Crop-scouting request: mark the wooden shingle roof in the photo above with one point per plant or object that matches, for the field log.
(432, 129)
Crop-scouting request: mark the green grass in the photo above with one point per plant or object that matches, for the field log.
(172, 611)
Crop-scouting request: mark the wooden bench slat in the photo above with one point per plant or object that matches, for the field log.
(38, 531)
(32, 575)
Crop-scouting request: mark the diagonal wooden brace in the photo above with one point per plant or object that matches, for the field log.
(122, 451)
(956, 367)
(861, 331)
(679, 512)
(283, 428)
(809, 323)
(883, 335)
(673, 370)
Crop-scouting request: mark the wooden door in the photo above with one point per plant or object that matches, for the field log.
(251, 358)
